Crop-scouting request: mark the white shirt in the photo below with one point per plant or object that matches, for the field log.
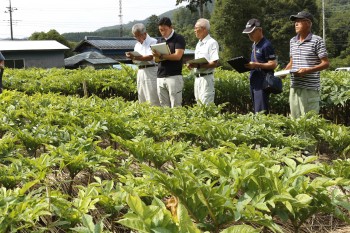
(208, 48)
(145, 48)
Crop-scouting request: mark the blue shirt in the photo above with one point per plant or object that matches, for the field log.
(262, 52)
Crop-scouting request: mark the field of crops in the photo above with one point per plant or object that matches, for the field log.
(77, 154)
(232, 89)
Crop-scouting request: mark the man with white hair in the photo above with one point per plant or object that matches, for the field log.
(208, 48)
(147, 72)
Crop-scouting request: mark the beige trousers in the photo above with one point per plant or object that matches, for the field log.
(170, 91)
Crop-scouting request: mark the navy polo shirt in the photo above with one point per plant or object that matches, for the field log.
(264, 52)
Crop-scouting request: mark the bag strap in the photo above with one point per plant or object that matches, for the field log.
(255, 59)
(254, 50)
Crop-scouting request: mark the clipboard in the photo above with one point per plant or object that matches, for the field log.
(238, 64)
(139, 63)
(161, 48)
(202, 60)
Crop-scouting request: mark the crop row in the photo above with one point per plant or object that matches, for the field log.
(232, 88)
(106, 165)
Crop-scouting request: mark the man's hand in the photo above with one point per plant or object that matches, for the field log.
(301, 72)
(251, 65)
(129, 55)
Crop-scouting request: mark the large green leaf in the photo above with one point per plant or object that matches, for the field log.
(241, 229)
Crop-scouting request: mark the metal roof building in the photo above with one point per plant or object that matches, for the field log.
(114, 48)
(91, 59)
(33, 53)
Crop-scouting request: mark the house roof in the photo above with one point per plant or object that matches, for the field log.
(91, 57)
(30, 45)
(113, 43)
(107, 43)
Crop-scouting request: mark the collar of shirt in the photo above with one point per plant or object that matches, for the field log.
(171, 34)
(308, 38)
(205, 39)
(260, 41)
(147, 39)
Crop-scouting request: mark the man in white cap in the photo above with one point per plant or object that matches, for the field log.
(263, 61)
(308, 56)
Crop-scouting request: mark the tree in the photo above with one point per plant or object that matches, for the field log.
(230, 17)
(184, 21)
(53, 35)
(195, 4)
(279, 29)
(152, 26)
(227, 23)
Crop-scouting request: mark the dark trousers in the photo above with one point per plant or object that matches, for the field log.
(260, 97)
(260, 100)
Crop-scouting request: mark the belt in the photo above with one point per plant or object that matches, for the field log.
(202, 74)
(145, 66)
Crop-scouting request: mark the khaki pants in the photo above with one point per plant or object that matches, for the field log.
(147, 86)
(170, 91)
(303, 100)
(204, 90)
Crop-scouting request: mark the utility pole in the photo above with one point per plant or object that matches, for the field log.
(10, 10)
(323, 22)
(120, 19)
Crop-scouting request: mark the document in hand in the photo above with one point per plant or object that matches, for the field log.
(134, 53)
(282, 73)
(162, 48)
(238, 64)
(202, 60)
(137, 62)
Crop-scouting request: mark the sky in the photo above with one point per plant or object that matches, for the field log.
(29, 16)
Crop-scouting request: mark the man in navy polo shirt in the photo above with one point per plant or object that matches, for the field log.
(308, 56)
(263, 60)
(169, 76)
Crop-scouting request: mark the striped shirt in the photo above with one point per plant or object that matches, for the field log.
(307, 54)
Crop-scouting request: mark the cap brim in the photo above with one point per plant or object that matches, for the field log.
(248, 30)
(295, 17)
